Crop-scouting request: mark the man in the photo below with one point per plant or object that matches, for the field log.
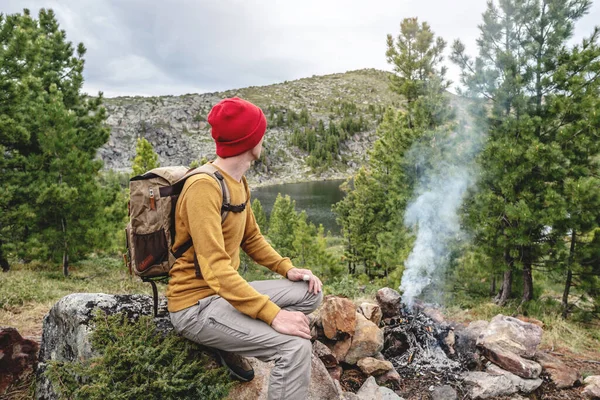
(209, 302)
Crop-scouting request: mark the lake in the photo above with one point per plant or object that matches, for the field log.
(316, 198)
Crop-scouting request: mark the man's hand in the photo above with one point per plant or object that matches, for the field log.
(298, 274)
(292, 323)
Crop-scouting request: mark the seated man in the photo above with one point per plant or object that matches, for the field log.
(209, 302)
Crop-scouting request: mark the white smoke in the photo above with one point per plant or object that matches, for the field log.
(433, 215)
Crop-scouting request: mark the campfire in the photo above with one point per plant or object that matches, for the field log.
(418, 345)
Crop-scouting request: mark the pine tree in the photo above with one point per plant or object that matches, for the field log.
(260, 215)
(49, 135)
(282, 225)
(145, 158)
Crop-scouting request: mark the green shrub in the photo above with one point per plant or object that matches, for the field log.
(137, 361)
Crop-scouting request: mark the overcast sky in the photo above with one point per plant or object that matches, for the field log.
(159, 47)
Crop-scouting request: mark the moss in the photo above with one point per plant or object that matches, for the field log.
(137, 361)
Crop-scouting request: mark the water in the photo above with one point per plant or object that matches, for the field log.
(316, 198)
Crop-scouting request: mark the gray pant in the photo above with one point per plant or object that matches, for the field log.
(214, 322)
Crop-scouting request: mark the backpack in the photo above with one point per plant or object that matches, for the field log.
(150, 232)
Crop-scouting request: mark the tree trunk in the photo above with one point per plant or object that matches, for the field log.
(4, 262)
(493, 286)
(527, 283)
(569, 281)
(65, 262)
(506, 288)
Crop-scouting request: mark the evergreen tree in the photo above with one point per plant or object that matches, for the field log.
(145, 158)
(260, 215)
(282, 225)
(49, 135)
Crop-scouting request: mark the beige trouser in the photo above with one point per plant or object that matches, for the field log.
(215, 323)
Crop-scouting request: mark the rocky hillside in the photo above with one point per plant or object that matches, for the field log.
(177, 128)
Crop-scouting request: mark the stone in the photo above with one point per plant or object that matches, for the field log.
(372, 312)
(445, 392)
(321, 384)
(350, 396)
(512, 362)
(523, 385)
(466, 337)
(338, 316)
(512, 334)
(563, 376)
(339, 348)
(510, 343)
(67, 329)
(335, 372)
(369, 390)
(391, 377)
(324, 354)
(388, 394)
(367, 340)
(389, 302)
(592, 387)
(481, 385)
(18, 357)
(373, 366)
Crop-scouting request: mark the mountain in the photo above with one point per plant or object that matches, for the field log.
(353, 102)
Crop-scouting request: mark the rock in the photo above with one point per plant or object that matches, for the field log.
(369, 390)
(321, 384)
(335, 372)
(592, 387)
(516, 336)
(373, 366)
(372, 312)
(563, 376)
(388, 394)
(338, 316)
(509, 343)
(339, 348)
(450, 341)
(391, 377)
(67, 330)
(367, 340)
(350, 396)
(512, 362)
(324, 354)
(531, 320)
(482, 385)
(523, 385)
(18, 357)
(444, 392)
(389, 302)
(466, 337)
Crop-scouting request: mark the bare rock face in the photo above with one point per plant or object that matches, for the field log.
(321, 383)
(522, 385)
(17, 356)
(324, 354)
(373, 366)
(592, 387)
(338, 316)
(367, 340)
(482, 385)
(389, 301)
(563, 376)
(372, 312)
(510, 343)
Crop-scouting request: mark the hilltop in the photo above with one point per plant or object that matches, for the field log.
(353, 102)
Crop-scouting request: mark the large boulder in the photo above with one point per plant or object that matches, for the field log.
(18, 357)
(338, 317)
(563, 376)
(367, 340)
(510, 344)
(522, 385)
(66, 337)
(389, 301)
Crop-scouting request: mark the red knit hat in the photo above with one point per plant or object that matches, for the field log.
(237, 126)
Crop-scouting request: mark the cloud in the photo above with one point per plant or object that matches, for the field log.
(152, 47)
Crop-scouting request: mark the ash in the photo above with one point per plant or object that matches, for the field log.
(417, 345)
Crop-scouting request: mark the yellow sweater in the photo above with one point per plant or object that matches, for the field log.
(198, 214)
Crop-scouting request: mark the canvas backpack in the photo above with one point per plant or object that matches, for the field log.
(150, 232)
